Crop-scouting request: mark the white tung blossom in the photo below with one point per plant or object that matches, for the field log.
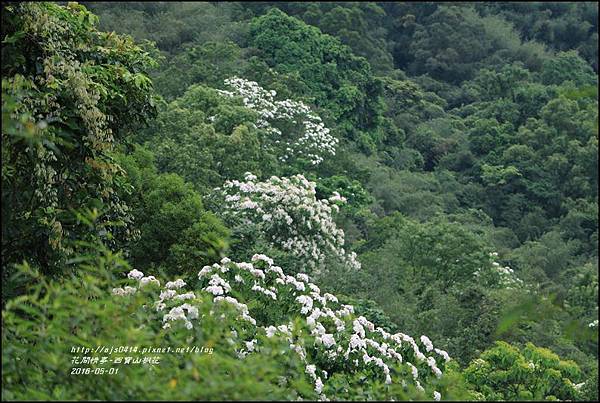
(124, 291)
(179, 283)
(374, 346)
(328, 340)
(135, 274)
(297, 222)
(339, 338)
(148, 280)
(310, 140)
(504, 275)
(427, 343)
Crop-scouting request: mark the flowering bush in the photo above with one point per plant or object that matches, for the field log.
(286, 213)
(38, 337)
(497, 274)
(326, 335)
(304, 136)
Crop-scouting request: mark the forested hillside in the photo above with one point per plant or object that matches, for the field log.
(340, 201)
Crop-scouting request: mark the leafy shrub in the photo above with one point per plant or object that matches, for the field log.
(506, 372)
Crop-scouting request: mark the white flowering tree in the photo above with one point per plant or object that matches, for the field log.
(293, 127)
(497, 275)
(327, 336)
(286, 215)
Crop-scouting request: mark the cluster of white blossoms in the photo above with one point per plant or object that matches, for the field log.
(181, 311)
(142, 281)
(329, 339)
(289, 217)
(507, 277)
(314, 139)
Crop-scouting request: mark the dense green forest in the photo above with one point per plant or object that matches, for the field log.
(340, 200)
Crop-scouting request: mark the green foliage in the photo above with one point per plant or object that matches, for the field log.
(42, 326)
(205, 152)
(70, 93)
(590, 388)
(420, 195)
(43, 331)
(358, 26)
(506, 372)
(429, 293)
(332, 76)
(498, 175)
(454, 42)
(453, 254)
(176, 232)
(561, 26)
(211, 63)
(357, 198)
(568, 66)
(463, 129)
